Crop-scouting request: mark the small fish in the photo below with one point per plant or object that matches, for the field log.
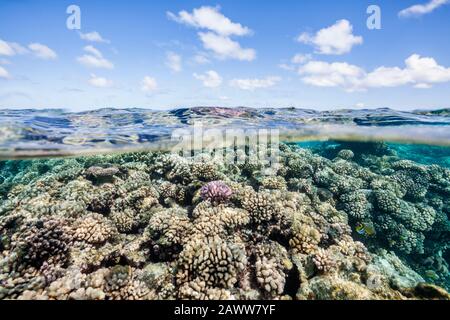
(365, 229)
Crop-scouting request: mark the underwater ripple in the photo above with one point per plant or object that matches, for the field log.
(28, 133)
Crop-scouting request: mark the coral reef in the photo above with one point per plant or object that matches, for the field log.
(352, 221)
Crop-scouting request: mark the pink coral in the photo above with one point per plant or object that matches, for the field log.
(216, 192)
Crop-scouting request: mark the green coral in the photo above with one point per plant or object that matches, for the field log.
(356, 204)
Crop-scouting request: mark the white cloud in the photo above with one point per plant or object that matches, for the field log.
(4, 74)
(95, 62)
(6, 49)
(94, 59)
(210, 79)
(5, 62)
(426, 70)
(387, 77)
(218, 32)
(100, 82)
(334, 40)
(337, 74)
(201, 59)
(300, 58)
(173, 61)
(225, 48)
(252, 84)
(421, 9)
(11, 48)
(210, 18)
(93, 36)
(420, 72)
(18, 49)
(149, 84)
(287, 67)
(37, 49)
(42, 51)
(423, 86)
(93, 50)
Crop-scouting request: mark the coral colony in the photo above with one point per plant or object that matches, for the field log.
(155, 225)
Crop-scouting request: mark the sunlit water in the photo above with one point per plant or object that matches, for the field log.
(25, 133)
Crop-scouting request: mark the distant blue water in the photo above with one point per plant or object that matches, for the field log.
(423, 154)
(420, 153)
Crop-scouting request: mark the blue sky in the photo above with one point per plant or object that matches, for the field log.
(166, 54)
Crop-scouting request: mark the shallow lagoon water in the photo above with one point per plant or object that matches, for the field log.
(356, 207)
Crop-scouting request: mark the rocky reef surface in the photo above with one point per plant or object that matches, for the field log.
(352, 222)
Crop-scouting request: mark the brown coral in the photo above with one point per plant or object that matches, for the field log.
(94, 229)
(212, 260)
(305, 239)
(261, 206)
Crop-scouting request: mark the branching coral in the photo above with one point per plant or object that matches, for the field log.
(121, 284)
(216, 192)
(41, 241)
(126, 221)
(198, 290)
(169, 227)
(412, 178)
(356, 204)
(261, 206)
(274, 182)
(211, 220)
(205, 168)
(271, 268)
(305, 239)
(94, 229)
(387, 201)
(212, 260)
(323, 261)
(269, 277)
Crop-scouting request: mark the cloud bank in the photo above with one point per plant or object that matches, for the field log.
(420, 72)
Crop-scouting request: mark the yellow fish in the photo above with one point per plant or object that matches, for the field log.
(365, 229)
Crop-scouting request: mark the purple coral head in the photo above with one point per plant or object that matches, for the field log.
(216, 191)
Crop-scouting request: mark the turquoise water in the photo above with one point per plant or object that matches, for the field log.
(351, 207)
(420, 153)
